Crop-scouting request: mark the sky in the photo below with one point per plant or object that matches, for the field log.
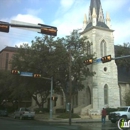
(66, 15)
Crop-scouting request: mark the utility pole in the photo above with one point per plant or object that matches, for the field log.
(51, 108)
(70, 85)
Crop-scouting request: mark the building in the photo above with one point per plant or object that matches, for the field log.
(5, 57)
(107, 88)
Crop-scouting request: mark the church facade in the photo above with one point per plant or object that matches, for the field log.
(104, 85)
(104, 89)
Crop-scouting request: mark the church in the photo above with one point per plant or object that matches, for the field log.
(109, 85)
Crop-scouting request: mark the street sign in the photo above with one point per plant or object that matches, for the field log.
(28, 74)
(4, 27)
(26, 24)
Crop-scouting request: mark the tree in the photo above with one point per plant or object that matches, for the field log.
(50, 58)
(127, 98)
(122, 50)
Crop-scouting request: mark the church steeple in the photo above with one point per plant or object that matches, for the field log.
(96, 8)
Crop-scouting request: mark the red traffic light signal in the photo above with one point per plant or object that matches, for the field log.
(49, 31)
(106, 59)
(88, 62)
(15, 72)
(4, 27)
(37, 75)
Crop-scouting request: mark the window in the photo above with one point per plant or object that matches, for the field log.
(103, 48)
(106, 94)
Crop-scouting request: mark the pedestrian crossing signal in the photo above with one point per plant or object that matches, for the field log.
(88, 62)
(17, 72)
(106, 59)
(37, 75)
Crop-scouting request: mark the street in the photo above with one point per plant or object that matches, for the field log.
(8, 123)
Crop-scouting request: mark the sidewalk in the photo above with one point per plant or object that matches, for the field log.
(83, 119)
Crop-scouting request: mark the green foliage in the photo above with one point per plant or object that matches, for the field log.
(127, 98)
(50, 57)
(123, 50)
(66, 115)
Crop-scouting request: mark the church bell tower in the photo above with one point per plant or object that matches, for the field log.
(104, 87)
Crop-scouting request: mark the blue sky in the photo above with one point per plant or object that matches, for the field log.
(66, 15)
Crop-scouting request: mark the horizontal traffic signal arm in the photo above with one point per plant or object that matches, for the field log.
(106, 59)
(17, 72)
(37, 75)
(45, 29)
(88, 61)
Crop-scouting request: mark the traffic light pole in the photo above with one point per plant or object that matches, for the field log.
(70, 85)
(51, 93)
(51, 98)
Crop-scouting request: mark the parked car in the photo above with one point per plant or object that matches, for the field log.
(123, 112)
(24, 113)
(3, 113)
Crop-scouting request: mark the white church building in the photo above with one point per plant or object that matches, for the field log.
(108, 86)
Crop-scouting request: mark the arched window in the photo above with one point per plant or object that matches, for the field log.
(106, 94)
(103, 48)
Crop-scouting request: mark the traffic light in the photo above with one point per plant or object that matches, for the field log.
(106, 59)
(88, 62)
(54, 98)
(37, 75)
(49, 31)
(4, 27)
(17, 72)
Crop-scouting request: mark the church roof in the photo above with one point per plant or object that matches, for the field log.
(96, 4)
(8, 48)
(99, 24)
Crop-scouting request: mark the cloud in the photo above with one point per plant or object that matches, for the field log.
(33, 11)
(66, 3)
(4, 42)
(113, 5)
(18, 36)
(18, 43)
(72, 19)
(27, 18)
(122, 32)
